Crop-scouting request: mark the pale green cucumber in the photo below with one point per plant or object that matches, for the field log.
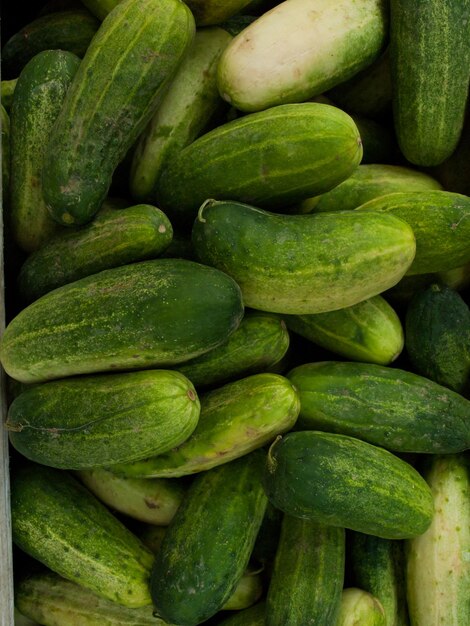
(369, 182)
(438, 562)
(235, 419)
(369, 331)
(360, 608)
(152, 501)
(299, 49)
(190, 102)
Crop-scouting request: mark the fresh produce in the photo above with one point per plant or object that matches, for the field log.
(360, 607)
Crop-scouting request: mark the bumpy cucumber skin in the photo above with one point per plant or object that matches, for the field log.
(235, 419)
(95, 421)
(438, 564)
(440, 222)
(148, 314)
(341, 481)
(438, 336)
(64, 30)
(113, 238)
(388, 407)
(254, 616)
(245, 160)
(360, 607)
(308, 575)
(60, 523)
(303, 264)
(191, 100)
(430, 61)
(37, 101)
(5, 130)
(369, 331)
(119, 84)
(207, 547)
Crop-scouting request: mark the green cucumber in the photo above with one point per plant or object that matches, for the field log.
(190, 102)
(438, 562)
(207, 546)
(113, 238)
(8, 89)
(116, 90)
(209, 12)
(248, 591)
(341, 481)
(148, 314)
(94, 421)
(439, 220)
(258, 344)
(254, 616)
(308, 575)
(388, 407)
(60, 523)
(379, 568)
(429, 49)
(359, 607)
(246, 160)
(152, 501)
(64, 30)
(369, 331)
(303, 264)
(5, 154)
(299, 49)
(52, 600)
(438, 336)
(37, 101)
(369, 182)
(235, 419)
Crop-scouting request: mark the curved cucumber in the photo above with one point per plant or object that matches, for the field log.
(113, 238)
(369, 331)
(360, 607)
(147, 314)
(341, 481)
(235, 419)
(38, 99)
(299, 49)
(191, 100)
(271, 159)
(60, 523)
(326, 262)
(308, 575)
(440, 222)
(388, 407)
(117, 88)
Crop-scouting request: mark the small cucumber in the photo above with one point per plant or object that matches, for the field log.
(359, 608)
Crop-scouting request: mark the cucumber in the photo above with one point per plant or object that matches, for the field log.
(369, 182)
(341, 481)
(258, 344)
(249, 590)
(152, 501)
(326, 262)
(147, 314)
(190, 102)
(235, 419)
(116, 90)
(429, 48)
(299, 49)
(254, 616)
(208, 544)
(439, 220)
(61, 524)
(388, 407)
(38, 99)
(379, 568)
(208, 12)
(113, 238)
(246, 160)
(308, 575)
(94, 421)
(49, 599)
(360, 607)
(5, 147)
(369, 331)
(63, 30)
(8, 89)
(438, 336)
(438, 564)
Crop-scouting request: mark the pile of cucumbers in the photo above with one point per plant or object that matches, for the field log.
(238, 345)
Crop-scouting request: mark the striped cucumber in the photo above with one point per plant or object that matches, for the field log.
(308, 575)
(360, 608)
(326, 262)
(116, 90)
